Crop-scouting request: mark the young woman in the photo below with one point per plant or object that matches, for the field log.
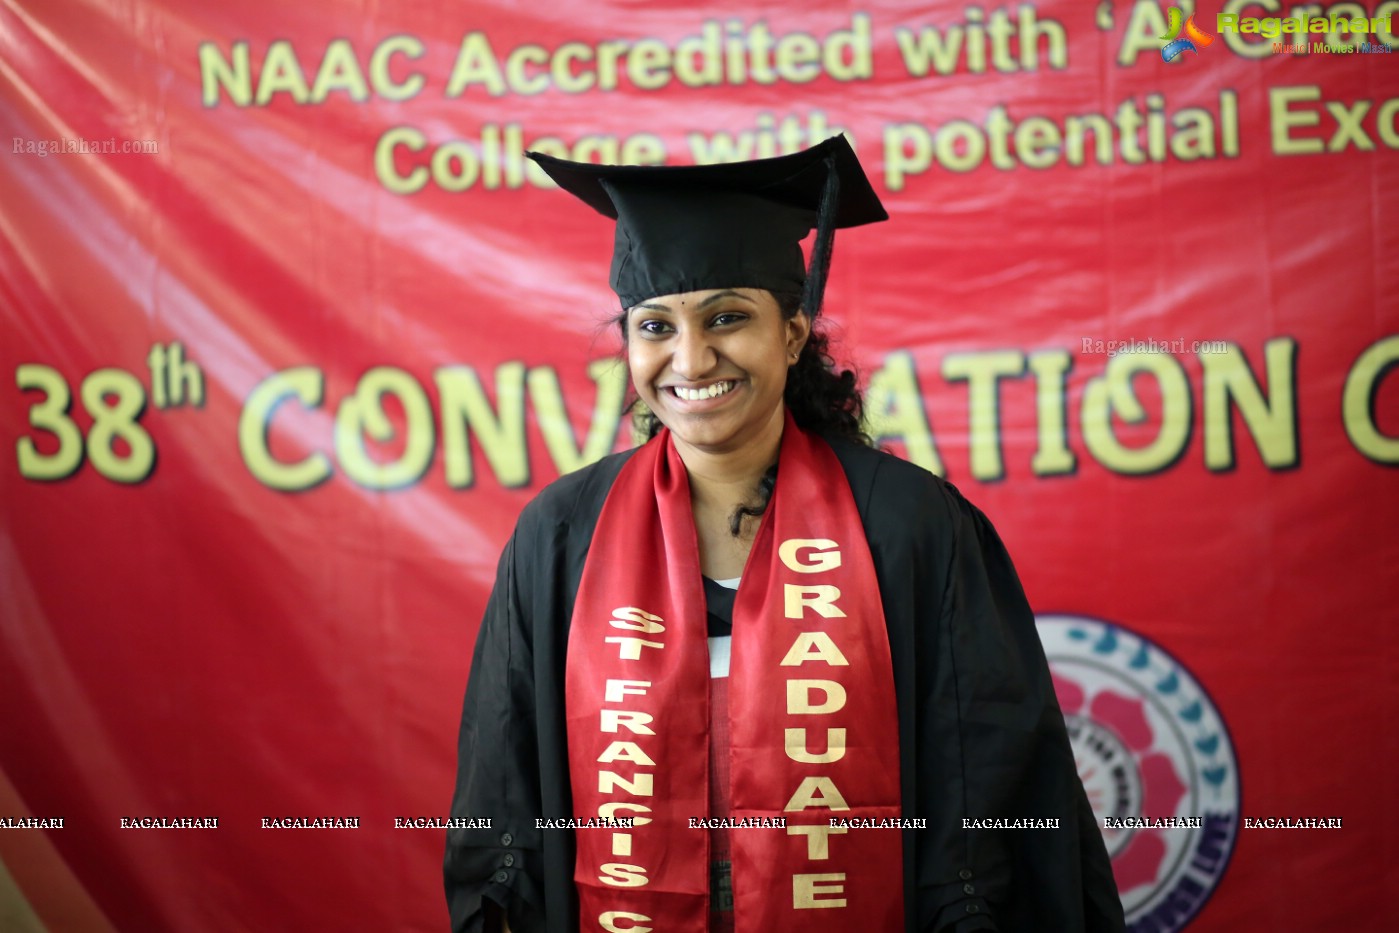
(756, 675)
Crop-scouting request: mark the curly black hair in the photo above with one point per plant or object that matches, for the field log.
(822, 399)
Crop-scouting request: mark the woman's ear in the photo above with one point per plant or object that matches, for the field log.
(798, 330)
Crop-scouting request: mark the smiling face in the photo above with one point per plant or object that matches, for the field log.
(712, 365)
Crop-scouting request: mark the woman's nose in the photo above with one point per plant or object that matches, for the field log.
(694, 355)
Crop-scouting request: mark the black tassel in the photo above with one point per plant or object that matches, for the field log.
(820, 265)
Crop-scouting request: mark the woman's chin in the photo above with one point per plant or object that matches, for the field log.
(723, 432)
(704, 433)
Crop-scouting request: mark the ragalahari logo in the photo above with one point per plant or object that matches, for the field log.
(1194, 39)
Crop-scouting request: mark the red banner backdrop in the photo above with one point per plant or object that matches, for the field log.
(291, 332)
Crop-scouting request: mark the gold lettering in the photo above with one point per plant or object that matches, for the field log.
(385, 168)
(476, 64)
(1358, 401)
(465, 408)
(384, 86)
(894, 403)
(818, 890)
(1113, 395)
(363, 415)
(233, 75)
(636, 722)
(797, 751)
(1283, 118)
(814, 646)
(1230, 385)
(820, 597)
(608, 921)
(281, 73)
(816, 791)
(630, 648)
(799, 697)
(339, 71)
(625, 751)
(827, 556)
(307, 385)
(640, 620)
(617, 689)
(624, 876)
(818, 846)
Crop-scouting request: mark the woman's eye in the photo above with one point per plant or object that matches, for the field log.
(728, 317)
(652, 328)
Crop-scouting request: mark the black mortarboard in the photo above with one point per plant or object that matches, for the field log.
(681, 228)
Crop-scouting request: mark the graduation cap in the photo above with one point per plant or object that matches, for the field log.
(682, 228)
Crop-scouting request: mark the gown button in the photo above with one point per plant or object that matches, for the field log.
(506, 839)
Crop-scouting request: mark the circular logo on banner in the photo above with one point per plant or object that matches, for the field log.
(1155, 758)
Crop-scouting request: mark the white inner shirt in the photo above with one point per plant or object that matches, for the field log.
(719, 647)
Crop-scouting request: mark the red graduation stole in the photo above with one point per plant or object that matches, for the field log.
(812, 713)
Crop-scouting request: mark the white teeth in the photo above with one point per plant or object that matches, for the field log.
(709, 391)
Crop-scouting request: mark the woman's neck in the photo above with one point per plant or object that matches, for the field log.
(721, 482)
(724, 480)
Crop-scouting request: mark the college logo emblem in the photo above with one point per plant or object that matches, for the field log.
(1194, 39)
(1157, 763)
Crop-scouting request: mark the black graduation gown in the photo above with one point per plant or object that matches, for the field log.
(980, 732)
